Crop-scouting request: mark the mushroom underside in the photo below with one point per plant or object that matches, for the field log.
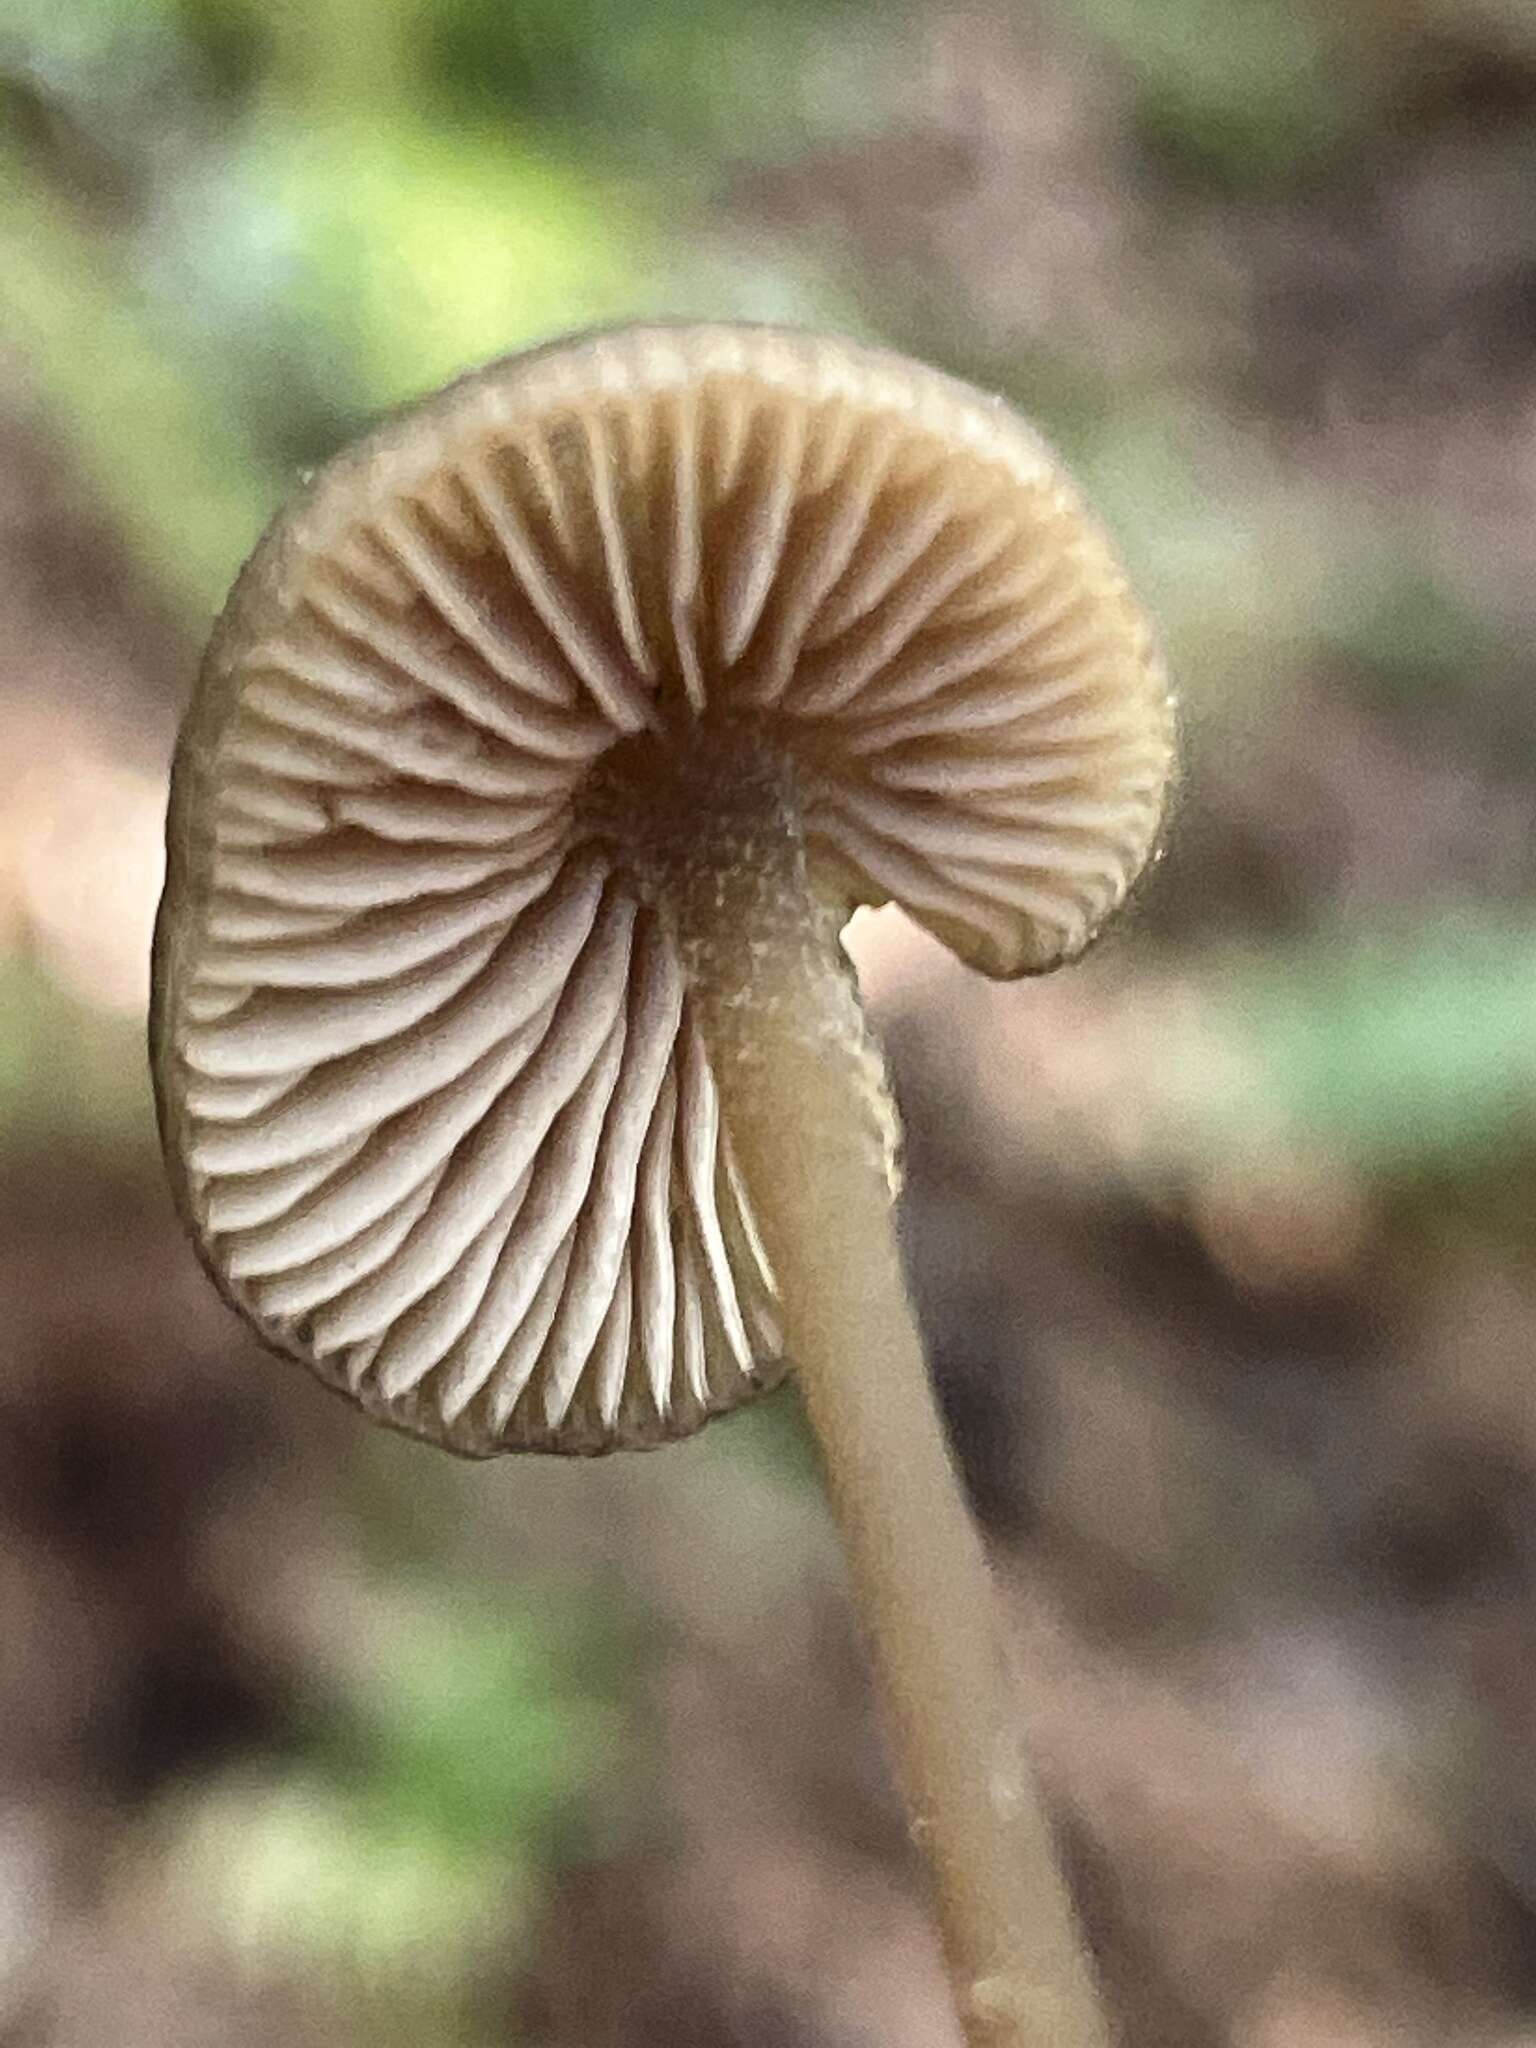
(441, 1112)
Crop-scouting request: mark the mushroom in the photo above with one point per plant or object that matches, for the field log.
(511, 1075)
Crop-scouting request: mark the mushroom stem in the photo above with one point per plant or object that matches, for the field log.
(803, 1096)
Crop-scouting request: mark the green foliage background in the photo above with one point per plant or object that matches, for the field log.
(234, 231)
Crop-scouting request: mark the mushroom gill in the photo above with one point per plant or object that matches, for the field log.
(439, 1108)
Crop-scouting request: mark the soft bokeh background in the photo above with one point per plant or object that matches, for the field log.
(1223, 1241)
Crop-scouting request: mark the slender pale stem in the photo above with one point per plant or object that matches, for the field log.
(803, 1095)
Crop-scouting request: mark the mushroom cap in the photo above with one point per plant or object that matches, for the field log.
(435, 1103)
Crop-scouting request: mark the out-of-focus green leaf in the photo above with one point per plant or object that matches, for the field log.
(292, 1870)
(1403, 1053)
(734, 77)
(405, 1853)
(1413, 642)
(168, 455)
(476, 1722)
(416, 253)
(1246, 92)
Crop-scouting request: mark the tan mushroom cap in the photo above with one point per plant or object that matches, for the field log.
(435, 1102)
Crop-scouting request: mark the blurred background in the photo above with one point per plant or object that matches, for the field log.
(1223, 1241)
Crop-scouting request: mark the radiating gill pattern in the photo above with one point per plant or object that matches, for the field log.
(446, 1126)
(485, 1193)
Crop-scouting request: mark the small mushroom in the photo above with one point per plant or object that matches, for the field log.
(511, 1075)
